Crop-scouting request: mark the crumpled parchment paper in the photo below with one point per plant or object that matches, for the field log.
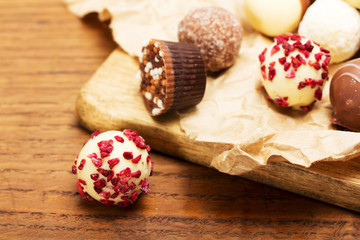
(234, 109)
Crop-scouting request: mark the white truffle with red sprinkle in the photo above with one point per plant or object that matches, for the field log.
(294, 71)
(113, 168)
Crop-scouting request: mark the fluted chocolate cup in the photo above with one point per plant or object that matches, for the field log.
(173, 76)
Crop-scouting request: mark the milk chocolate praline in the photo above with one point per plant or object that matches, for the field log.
(345, 95)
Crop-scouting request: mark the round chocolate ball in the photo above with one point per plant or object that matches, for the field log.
(217, 32)
(113, 168)
(294, 71)
(345, 95)
(275, 17)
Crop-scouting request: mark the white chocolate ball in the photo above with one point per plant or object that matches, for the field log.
(335, 25)
(354, 3)
(275, 17)
(113, 167)
(294, 71)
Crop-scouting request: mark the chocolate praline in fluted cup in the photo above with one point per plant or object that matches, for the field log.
(173, 76)
(345, 95)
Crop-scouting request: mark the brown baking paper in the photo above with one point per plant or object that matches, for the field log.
(234, 109)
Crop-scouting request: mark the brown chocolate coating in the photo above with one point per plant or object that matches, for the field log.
(216, 31)
(173, 76)
(345, 95)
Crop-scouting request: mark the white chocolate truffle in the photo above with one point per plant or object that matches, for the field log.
(335, 25)
(113, 167)
(294, 71)
(275, 17)
(354, 3)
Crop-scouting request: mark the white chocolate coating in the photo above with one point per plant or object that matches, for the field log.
(297, 86)
(127, 186)
(274, 17)
(335, 25)
(354, 3)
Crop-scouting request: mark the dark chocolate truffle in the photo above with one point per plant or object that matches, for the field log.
(345, 95)
(173, 76)
(216, 31)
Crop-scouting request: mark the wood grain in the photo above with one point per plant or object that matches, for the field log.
(46, 56)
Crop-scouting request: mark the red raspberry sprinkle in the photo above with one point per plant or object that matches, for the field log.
(114, 195)
(272, 73)
(287, 66)
(134, 196)
(318, 94)
(136, 174)
(94, 176)
(80, 189)
(152, 168)
(82, 181)
(73, 169)
(275, 49)
(82, 164)
(99, 184)
(295, 37)
(136, 160)
(291, 74)
(282, 60)
(110, 175)
(125, 172)
(308, 46)
(280, 39)
(105, 147)
(103, 172)
(94, 134)
(105, 195)
(145, 185)
(318, 56)
(119, 139)
(128, 155)
(282, 102)
(324, 50)
(113, 162)
(262, 56)
(115, 180)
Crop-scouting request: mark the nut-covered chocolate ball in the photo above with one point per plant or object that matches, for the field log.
(113, 168)
(345, 95)
(217, 32)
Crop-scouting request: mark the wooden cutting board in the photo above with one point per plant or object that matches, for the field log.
(110, 100)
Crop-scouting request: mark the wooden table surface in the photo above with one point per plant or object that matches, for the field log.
(46, 55)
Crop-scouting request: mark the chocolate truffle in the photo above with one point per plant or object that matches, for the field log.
(335, 25)
(294, 70)
(173, 76)
(113, 167)
(345, 95)
(216, 31)
(275, 17)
